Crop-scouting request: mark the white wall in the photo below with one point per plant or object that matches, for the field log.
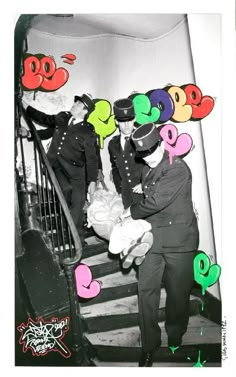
(112, 67)
(205, 37)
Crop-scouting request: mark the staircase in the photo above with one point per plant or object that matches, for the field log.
(110, 320)
(106, 327)
(46, 239)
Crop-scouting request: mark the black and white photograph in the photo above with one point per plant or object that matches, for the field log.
(119, 211)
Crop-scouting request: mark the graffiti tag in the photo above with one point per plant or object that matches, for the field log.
(42, 336)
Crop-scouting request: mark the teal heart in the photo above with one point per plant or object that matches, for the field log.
(204, 273)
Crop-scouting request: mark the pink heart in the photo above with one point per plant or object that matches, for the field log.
(183, 144)
(85, 286)
(174, 144)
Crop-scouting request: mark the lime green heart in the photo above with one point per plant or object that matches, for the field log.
(102, 120)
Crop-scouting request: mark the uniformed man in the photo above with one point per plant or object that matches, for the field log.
(126, 167)
(73, 152)
(167, 205)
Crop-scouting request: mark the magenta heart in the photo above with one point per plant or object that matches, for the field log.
(85, 286)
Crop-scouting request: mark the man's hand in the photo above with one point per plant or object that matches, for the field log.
(138, 189)
(91, 191)
(23, 132)
(125, 214)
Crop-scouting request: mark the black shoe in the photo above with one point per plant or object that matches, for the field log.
(146, 359)
(175, 342)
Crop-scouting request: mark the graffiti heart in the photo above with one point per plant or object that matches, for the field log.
(86, 287)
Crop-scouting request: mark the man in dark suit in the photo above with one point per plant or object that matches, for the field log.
(73, 153)
(126, 167)
(167, 205)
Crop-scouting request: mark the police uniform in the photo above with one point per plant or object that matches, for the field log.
(167, 205)
(72, 155)
(126, 167)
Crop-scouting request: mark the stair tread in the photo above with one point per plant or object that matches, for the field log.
(123, 305)
(97, 259)
(130, 337)
(186, 356)
(118, 279)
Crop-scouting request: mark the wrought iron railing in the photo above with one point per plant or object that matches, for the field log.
(51, 210)
(45, 209)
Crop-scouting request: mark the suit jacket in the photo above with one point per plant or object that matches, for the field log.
(73, 146)
(168, 206)
(126, 170)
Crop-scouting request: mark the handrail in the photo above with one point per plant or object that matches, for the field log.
(67, 214)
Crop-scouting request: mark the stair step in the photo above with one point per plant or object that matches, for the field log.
(112, 355)
(119, 278)
(91, 250)
(111, 293)
(122, 321)
(122, 305)
(97, 259)
(130, 337)
(105, 268)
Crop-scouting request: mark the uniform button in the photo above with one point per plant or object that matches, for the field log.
(59, 148)
(128, 174)
(145, 186)
(170, 222)
(126, 161)
(64, 133)
(129, 180)
(63, 138)
(76, 138)
(58, 152)
(127, 168)
(61, 142)
(123, 155)
(131, 154)
(146, 196)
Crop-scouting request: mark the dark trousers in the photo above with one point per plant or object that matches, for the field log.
(73, 189)
(176, 269)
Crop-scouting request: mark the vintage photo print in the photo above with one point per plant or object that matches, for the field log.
(118, 216)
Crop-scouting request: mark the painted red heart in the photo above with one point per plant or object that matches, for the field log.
(85, 286)
(32, 79)
(59, 78)
(203, 109)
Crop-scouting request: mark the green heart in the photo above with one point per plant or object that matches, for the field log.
(144, 112)
(205, 274)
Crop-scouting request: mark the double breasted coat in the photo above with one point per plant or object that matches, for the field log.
(74, 146)
(126, 170)
(167, 205)
(73, 155)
